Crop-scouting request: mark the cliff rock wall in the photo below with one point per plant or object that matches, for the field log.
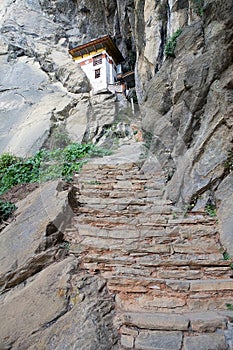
(185, 99)
(42, 91)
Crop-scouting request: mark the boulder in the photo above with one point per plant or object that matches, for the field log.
(31, 241)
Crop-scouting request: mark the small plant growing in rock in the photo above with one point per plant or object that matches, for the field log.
(211, 210)
(171, 44)
(229, 306)
(6, 210)
(198, 6)
(6, 160)
(228, 164)
(226, 256)
(65, 245)
(147, 137)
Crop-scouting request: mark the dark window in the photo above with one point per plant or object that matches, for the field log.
(97, 60)
(97, 73)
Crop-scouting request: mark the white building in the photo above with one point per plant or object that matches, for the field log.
(100, 59)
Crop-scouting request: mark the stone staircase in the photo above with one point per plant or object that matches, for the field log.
(164, 267)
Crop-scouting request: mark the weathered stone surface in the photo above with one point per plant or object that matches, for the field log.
(163, 302)
(178, 285)
(180, 102)
(158, 340)
(73, 78)
(206, 285)
(224, 194)
(127, 341)
(77, 303)
(207, 322)
(38, 214)
(205, 342)
(186, 104)
(38, 303)
(157, 321)
(77, 121)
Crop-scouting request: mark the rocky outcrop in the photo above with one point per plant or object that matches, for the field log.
(112, 264)
(33, 239)
(48, 289)
(59, 308)
(165, 267)
(180, 97)
(187, 108)
(41, 88)
(131, 247)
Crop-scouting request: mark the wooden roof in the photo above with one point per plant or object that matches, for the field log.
(103, 42)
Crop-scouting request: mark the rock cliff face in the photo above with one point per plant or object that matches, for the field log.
(41, 89)
(185, 100)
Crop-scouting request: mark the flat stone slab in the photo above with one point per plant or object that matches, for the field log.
(205, 342)
(127, 153)
(59, 310)
(207, 322)
(20, 240)
(38, 303)
(158, 340)
(209, 285)
(158, 321)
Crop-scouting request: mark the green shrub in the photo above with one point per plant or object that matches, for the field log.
(171, 44)
(229, 306)
(228, 164)
(6, 210)
(211, 210)
(226, 256)
(198, 6)
(45, 165)
(6, 160)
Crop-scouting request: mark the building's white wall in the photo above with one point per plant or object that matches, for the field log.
(107, 71)
(99, 83)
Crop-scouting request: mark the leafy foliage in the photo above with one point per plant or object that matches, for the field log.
(171, 44)
(226, 256)
(211, 210)
(228, 164)
(198, 6)
(229, 306)
(45, 165)
(6, 160)
(6, 210)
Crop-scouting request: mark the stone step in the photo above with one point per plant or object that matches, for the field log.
(111, 207)
(97, 178)
(128, 283)
(208, 321)
(171, 273)
(109, 252)
(125, 205)
(110, 167)
(154, 241)
(96, 200)
(173, 340)
(124, 187)
(169, 331)
(127, 211)
(111, 192)
(124, 267)
(140, 300)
